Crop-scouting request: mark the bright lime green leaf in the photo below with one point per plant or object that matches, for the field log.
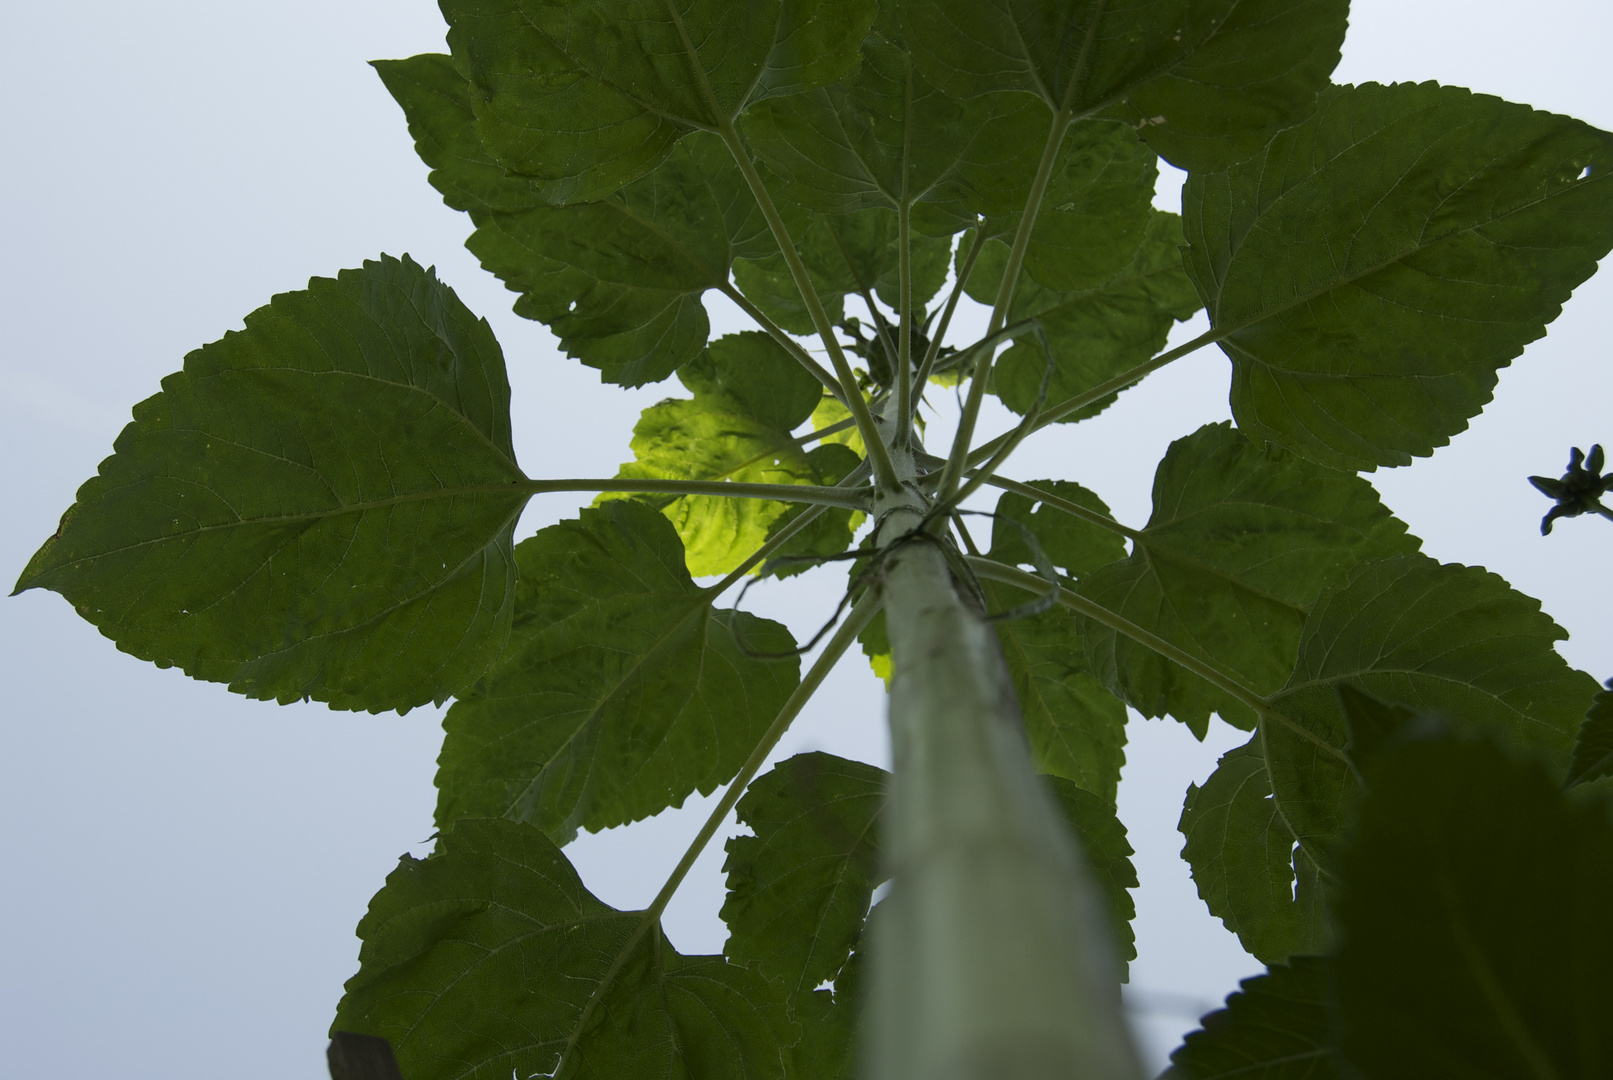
(619, 281)
(830, 412)
(621, 692)
(1473, 912)
(1593, 751)
(1072, 544)
(1373, 267)
(583, 97)
(1207, 81)
(490, 958)
(1245, 863)
(1242, 542)
(319, 505)
(1276, 1028)
(832, 532)
(1108, 853)
(1095, 334)
(799, 888)
(884, 136)
(1452, 641)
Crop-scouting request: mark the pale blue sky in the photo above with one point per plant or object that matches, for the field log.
(182, 868)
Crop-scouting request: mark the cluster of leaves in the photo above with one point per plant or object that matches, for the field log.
(322, 506)
(1578, 491)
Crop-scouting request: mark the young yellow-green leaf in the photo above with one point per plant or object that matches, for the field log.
(621, 691)
(1276, 1027)
(799, 888)
(583, 96)
(1242, 542)
(1373, 267)
(618, 280)
(1072, 544)
(1108, 853)
(319, 505)
(1207, 81)
(1593, 751)
(749, 394)
(1095, 334)
(1245, 863)
(1473, 913)
(490, 959)
(1452, 641)
(884, 136)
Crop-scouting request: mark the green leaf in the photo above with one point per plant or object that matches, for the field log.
(319, 505)
(583, 97)
(490, 958)
(1473, 910)
(1072, 544)
(1276, 1028)
(799, 888)
(1593, 751)
(832, 532)
(1248, 870)
(1242, 542)
(1373, 267)
(621, 691)
(1108, 854)
(619, 280)
(1095, 334)
(1452, 641)
(829, 1023)
(749, 393)
(884, 136)
(1207, 81)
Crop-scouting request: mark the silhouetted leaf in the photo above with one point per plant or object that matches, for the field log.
(319, 505)
(490, 958)
(1276, 1028)
(1108, 853)
(1374, 266)
(621, 691)
(1593, 751)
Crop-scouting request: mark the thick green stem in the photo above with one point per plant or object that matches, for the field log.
(799, 493)
(991, 958)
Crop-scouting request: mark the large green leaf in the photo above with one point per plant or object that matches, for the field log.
(799, 888)
(1276, 1028)
(319, 505)
(621, 692)
(1373, 267)
(618, 280)
(583, 96)
(1206, 80)
(1242, 542)
(1108, 854)
(490, 959)
(884, 136)
(1454, 641)
(1593, 751)
(1095, 334)
(1074, 545)
(748, 395)
(1248, 870)
(1473, 909)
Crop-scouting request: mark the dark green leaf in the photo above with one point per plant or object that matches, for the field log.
(1207, 81)
(884, 136)
(1242, 542)
(828, 1020)
(832, 532)
(749, 393)
(621, 691)
(490, 958)
(619, 280)
(1095, 334)
(799, 888)
(1373, 267)
(1245, 863)
(1372, 724)
(1073, 545)
(319, 505)
(1276, 1028)
(584, 96)
(1473, 910)
(1108, 853)
(1593, 752)
(1452, 641)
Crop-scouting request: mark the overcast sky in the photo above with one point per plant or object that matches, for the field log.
(180, 869)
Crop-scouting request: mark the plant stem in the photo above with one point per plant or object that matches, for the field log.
(878, 455)
(991, 958)
(904, 326)
(940, 334)
(799, 493)
(790, 345)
